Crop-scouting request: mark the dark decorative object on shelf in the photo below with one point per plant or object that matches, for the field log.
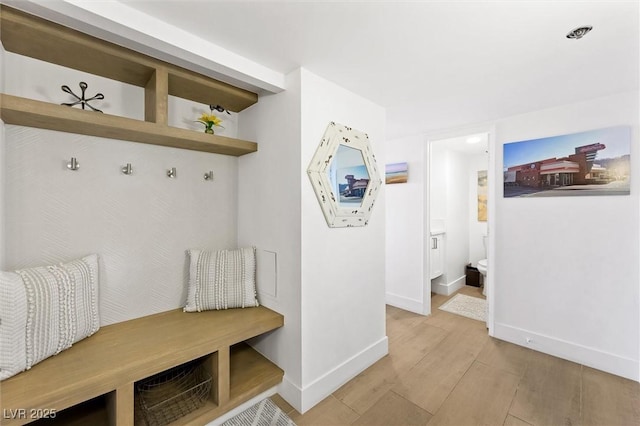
(81, 99)
(219, 109)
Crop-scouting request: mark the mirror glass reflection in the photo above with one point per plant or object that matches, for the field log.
(348, 176)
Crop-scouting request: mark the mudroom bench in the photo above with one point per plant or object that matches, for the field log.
(94, 382)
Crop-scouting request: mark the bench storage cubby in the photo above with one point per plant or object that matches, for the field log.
(96, 378)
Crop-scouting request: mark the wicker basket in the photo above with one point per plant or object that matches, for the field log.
(174, 393)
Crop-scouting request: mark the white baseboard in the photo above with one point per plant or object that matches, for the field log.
(291, 393)
(449, 288)
(324, 386)
(594, 358)
(240, 408)
(405, 303)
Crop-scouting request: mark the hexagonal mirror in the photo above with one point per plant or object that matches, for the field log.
(344, 176)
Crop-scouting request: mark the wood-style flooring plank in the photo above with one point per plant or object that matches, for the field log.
(328, 412)
(609, 400)
(505, 356)
(400, 321)
(282, 404)
(404, 352)
(431, 380)
(514, 421)
(364, 390)
(392, 409)
(482, 397)
(549, 392)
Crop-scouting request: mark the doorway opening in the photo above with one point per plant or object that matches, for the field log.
(460, 182)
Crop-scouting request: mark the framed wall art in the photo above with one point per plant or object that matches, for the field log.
(595, 162)
(396, 173)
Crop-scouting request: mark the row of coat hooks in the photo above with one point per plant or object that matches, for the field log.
(172, 173)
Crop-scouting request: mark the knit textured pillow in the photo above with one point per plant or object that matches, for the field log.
(45, 310)
(221, 280)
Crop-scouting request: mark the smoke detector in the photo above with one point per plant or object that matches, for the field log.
(579, 32)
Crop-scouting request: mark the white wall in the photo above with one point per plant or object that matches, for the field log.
(2, 162)
(343, 269)
(405, 273)
(450, 202)
(269, 217)
(140, 225)
(566, 272)
(457, 220)
(477, 229)
(334, 313)
(407, 247)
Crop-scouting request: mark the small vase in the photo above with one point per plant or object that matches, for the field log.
(208, 130)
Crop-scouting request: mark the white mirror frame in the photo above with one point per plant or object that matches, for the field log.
(336, 216)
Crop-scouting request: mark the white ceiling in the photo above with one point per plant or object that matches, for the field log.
(479, 144)
(432, 64)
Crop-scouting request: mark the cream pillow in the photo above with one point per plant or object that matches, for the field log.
(221, 279)
(45, 310)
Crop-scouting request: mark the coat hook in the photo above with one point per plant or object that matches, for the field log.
(172, 173)
(208, 176)
(73, 164)
(127, 170)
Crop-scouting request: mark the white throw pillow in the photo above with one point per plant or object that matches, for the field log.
(221, 280)
(45, 310)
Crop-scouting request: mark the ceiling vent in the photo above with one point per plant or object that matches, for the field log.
(579, 32)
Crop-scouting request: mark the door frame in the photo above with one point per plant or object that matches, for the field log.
(495, 180)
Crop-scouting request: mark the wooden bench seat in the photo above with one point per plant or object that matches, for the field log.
(109, 363)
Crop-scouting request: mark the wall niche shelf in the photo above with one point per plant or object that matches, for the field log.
(27, 35)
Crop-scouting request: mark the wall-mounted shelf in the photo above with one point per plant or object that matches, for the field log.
(44, 115)
(28, 35)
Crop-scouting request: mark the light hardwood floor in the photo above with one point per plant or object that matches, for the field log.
(445, 370)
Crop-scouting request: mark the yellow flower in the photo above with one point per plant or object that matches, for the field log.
(209, 120)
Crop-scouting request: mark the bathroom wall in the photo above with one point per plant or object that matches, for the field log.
(406, 233)
(140, 225)
(566, 273)
(477, 229)
(450, 201)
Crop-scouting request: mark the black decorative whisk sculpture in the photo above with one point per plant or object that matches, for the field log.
(219, 109)
(81, 99)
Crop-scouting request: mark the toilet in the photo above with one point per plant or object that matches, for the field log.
(482, 265)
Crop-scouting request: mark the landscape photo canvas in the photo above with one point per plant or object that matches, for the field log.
(396, 173)
(594, 163)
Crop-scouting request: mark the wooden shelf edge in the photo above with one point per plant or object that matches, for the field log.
(28, 35)
(44, 115)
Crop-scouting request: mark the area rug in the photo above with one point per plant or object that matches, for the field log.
(264, 413)
(467, 306)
